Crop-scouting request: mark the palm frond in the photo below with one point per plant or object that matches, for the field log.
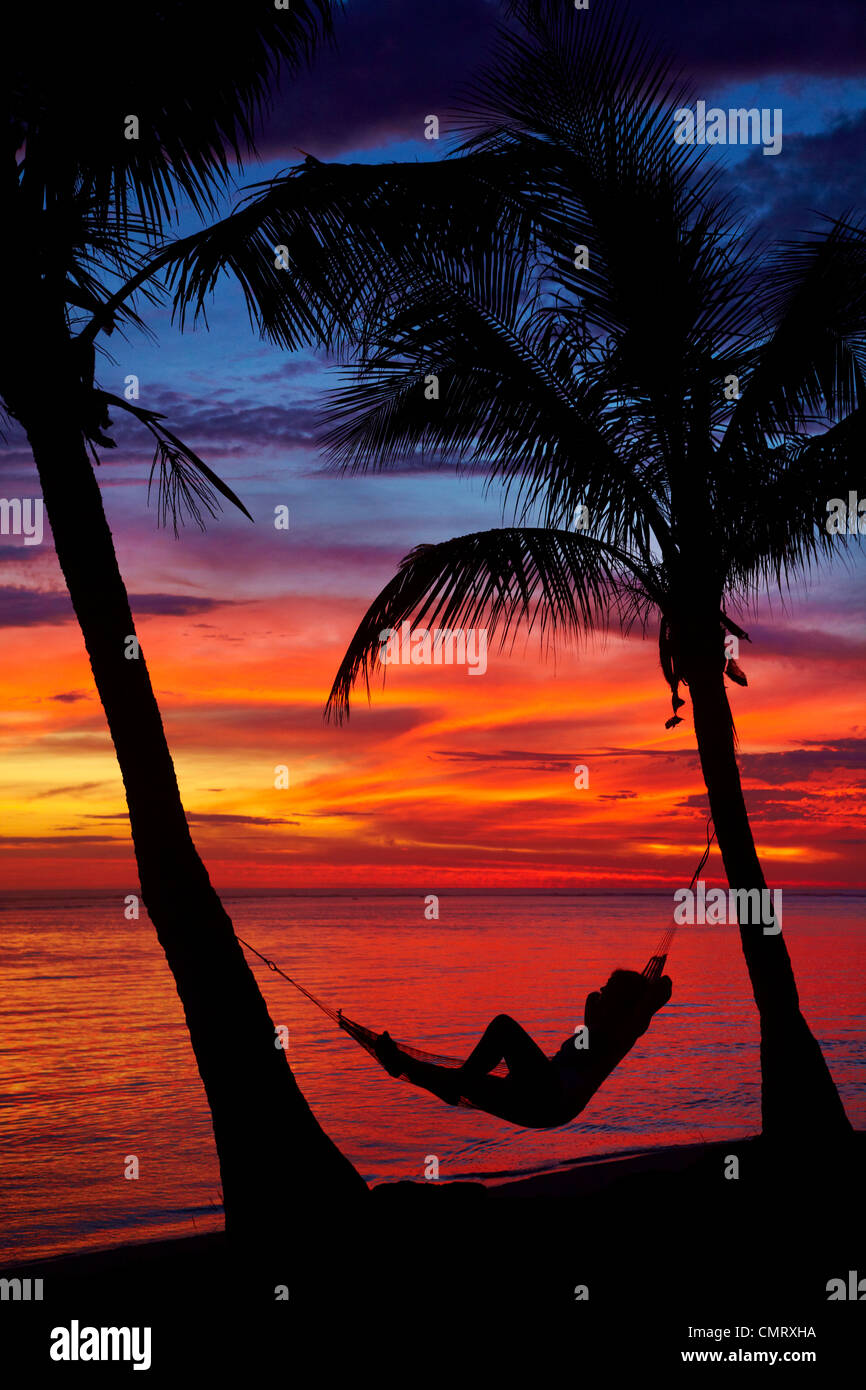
(182, 493)
(590, 106)
(75, 74)
(781, 521)
(186, 487)
(515, 402)
(562, 584)
(805, 363)
(354, 235)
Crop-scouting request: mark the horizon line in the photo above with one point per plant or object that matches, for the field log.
(6, 893)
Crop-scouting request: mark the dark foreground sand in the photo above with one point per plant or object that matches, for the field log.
(636, 1250)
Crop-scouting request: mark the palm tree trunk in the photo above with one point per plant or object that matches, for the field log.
(272, 1151)
(798, 1094)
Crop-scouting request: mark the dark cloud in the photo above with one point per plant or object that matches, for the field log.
(851, 751)
(539, 761)
(744, 39)
(288, 368)
(69, 697)
(243, 725)
(791, 767)
(209, 422)
(240, 428)
(806, 644)
(799, 764)
(814, 177)
(396, 63)
(57, 841)
(29, 608)
(14, 554)
(226, 818)
(205, 818)
(768, 804)
(521, 762)
(62, 791)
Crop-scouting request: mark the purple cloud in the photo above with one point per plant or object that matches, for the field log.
(741, 38)
(770, 805)
(394, 64)
(29, 607)
(817, 176)
(62, 791)
(799, 764)
(204, 818)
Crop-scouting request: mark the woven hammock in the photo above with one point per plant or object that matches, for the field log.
(368, 1037)
(633, 1022)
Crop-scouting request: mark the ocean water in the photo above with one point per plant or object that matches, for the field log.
(96, 1065)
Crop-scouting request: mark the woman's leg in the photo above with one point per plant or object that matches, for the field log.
(530, 1095)
(531, 1085)
(444, 1082)
(441, 1081)
(504, 1040)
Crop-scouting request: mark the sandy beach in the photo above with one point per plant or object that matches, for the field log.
(654, 1217)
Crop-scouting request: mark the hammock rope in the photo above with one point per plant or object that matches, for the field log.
(368, 1037)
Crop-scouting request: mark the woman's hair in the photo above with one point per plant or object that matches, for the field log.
(632, 999)
(627, 1003)
(629, 984)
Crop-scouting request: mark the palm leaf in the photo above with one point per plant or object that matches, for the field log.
(563, 584)
(354, 236)
(781, 527)
(808, 364)
(73, 76)
(186, 486)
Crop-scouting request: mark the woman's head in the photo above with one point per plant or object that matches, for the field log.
(628, 1000)
(625, 985)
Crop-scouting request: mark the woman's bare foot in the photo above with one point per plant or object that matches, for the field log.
(389, 1054)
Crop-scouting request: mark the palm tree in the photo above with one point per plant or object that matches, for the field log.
(617, 344)
(113, 120)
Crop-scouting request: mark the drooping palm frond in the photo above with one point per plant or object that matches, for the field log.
(804, 364)
(602, 382)
(354, 238)
(72, 75)
(523, 419)
(182, 492)
(564, 584)
(592, 105)
(780, 529)
(590, 403)
(186, 487)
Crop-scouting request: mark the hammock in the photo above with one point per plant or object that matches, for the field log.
(368, 1037)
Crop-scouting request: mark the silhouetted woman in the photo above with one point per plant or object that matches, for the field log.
(541, 1092)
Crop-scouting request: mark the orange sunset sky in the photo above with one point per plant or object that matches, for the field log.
(448, 781)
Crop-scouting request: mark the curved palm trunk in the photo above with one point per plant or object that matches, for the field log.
(272, 1151)
(798, 1094)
